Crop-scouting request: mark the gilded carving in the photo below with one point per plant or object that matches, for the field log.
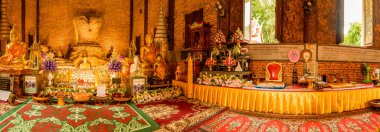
(293, 21)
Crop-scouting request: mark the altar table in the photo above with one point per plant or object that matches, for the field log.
(296, 102)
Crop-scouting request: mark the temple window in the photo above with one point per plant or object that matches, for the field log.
(259, 21)
(357, 22)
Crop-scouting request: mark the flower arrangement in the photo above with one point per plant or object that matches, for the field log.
(49, 64)
(230, 62)
(156, 95)
(210, 62)
(236, 50)
(237, 37)
(215, 51)
(220, 38)
(115, 66)
(220, 80)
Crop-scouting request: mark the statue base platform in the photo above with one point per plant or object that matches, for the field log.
(93, 51)
(156, 82)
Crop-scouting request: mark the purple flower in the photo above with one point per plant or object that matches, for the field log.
(49, 65)
(120, 57)
(43, 55)
(115, 65)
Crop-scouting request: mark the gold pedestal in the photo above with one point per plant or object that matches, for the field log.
(61, 101)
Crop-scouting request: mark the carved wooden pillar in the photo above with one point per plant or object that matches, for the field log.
(310, 24)
(376, 24)
(326, 21)
(236, 18)
(293, 21)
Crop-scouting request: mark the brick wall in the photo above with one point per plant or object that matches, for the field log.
(183, 7)
(138, 20)
(258, 69)
(57, 28)
(349, 70)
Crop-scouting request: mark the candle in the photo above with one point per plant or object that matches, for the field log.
(211, 55)
(229, 53)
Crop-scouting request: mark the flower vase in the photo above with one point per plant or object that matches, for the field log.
(50, 78)
(229, 68)
(210, 68)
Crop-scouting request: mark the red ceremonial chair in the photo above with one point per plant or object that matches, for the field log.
(273, 72)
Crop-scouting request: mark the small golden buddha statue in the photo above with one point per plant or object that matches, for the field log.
(178, 73)
(160, 68)
(149, 51)
(15, 50)
(85, 65)
(148, 55)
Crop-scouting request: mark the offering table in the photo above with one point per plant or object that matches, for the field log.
(284, 101)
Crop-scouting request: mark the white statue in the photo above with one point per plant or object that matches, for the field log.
(135, 67)
(87, 29)
(238, 67)
(256, 31)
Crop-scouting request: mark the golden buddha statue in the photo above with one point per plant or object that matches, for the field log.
(160, 68)
(149, 51)
(15, 50)
(148, 55)
(85, 65)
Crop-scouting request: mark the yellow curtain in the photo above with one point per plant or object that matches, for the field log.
(285, 102)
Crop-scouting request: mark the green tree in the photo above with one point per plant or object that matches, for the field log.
(354, 34)
(264, 10)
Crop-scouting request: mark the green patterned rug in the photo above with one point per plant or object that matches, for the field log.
(29, 116)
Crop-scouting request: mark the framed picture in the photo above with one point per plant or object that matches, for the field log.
(138, 84)
(30, 84)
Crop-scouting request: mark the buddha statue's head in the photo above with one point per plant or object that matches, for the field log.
(159, 58)
(84, 60)
(148, 39)
(136, 60)
(13, 36)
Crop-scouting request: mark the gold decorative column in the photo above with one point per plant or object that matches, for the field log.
(190, 75)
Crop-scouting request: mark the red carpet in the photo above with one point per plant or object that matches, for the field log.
(35, 117)
(179, 113)
(236, 121)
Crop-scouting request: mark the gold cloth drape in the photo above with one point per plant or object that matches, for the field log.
(285, 102)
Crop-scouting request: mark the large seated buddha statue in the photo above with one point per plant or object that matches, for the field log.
(87, 32)
(15, 50)
(148, 56)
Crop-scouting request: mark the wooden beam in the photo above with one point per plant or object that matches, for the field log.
(23, 20)
(339, 21)
(146, 17)
(131, 20)
(38, 21)
(171, 24)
